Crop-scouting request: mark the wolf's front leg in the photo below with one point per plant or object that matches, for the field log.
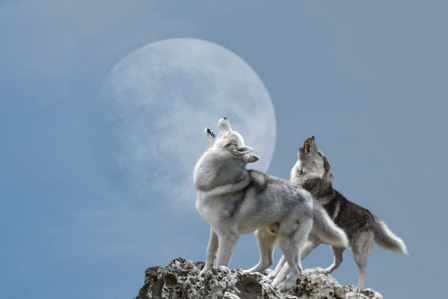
(227, 244)
(211, 251)
(266, 246)
(279, 267)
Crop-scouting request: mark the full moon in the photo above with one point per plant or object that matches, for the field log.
(155, 103)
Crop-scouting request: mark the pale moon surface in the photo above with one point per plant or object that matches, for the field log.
(156, 102)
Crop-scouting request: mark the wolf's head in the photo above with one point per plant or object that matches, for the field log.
(229, 141)
(312, 164)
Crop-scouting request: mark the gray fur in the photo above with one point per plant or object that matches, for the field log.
(328, 233)
(313, 172)
(387, 239)
(235, 201)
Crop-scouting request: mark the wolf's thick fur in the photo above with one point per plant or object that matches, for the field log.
(324, 227)
(387, 239)
(312, 171)
(234, 201)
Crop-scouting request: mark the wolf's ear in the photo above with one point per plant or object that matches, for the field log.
(252, 158)
(211, 137)
(331, 174)
(243, 150)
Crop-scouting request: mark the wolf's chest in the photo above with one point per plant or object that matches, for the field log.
(226, 214)
(219, 208)
(211, 209)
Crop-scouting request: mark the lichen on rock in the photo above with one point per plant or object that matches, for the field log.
(180, 279)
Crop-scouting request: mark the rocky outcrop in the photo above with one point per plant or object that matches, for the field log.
(181, 279)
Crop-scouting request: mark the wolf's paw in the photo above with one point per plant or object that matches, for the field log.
(354, 295)
(202, 273)
(327, 270)
(272, 275)
(359, 289)
(310, 271)
(285, 286)
(277, 281)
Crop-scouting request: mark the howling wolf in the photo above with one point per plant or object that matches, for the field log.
(312, 171)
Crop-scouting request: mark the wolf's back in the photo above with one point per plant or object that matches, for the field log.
(325, 228)
(387, 239)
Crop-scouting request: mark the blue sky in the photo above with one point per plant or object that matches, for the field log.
(368, 79)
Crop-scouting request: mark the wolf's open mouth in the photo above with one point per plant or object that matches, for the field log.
(307, 146)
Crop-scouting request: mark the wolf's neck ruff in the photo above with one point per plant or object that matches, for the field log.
(318, 187)
(216, 173)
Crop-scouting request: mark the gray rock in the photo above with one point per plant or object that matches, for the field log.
(180, 279)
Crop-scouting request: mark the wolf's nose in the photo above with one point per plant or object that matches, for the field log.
(312, 136)
(225, 118)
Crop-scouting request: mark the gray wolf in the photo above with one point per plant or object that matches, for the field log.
(312, 171)
(235, 200)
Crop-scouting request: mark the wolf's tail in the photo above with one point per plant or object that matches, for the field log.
(387, 239)
(325, 228)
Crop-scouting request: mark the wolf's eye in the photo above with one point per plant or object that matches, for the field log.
(319, 154)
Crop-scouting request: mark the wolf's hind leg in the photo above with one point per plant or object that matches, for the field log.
(266, 246)
(361, 248)
(282, 270)
(310, 245)
(282, 273)
(338, 252)
(212, 248)
(291, 245)
(279, 267)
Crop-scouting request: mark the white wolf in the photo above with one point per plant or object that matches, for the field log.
(235, 201)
